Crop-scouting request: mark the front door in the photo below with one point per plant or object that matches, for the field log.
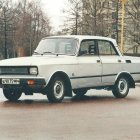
(89, 65)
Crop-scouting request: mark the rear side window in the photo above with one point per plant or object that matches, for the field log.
(106, 48)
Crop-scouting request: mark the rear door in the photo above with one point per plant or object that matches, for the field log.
(111, 61)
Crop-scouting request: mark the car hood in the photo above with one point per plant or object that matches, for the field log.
(37, 60)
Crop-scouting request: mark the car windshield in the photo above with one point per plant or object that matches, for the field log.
(61, 46)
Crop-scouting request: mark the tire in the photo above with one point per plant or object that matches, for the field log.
(56, 90)
(80, 92)
(12, 95)
(121, 88)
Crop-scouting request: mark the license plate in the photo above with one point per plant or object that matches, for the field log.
(10, 81)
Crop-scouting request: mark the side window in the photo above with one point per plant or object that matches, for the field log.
(106, 48)
(88, 48)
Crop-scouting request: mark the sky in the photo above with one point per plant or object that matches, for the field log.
(54, 8)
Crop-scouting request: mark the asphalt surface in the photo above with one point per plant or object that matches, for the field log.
(97, 116)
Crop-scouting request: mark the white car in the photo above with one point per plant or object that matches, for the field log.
(62, 64)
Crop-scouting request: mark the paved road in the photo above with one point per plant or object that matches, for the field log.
(97, 116)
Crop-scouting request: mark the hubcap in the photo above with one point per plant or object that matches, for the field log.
(123, 86)
(58, 89)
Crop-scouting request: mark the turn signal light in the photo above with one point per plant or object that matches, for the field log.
(31, 82)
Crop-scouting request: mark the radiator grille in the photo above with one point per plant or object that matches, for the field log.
(14, 70)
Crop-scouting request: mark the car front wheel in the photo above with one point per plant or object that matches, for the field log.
(56, 90)
(121, 88)
(12, 95)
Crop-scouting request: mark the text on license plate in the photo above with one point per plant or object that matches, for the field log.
(10, 81)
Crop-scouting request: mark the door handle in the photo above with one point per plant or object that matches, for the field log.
(119, 61)
(128, 61)
(98, 61)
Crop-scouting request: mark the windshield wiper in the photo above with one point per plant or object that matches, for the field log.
(64, 54)
(48, 53)
(57, 54)
(37, 53)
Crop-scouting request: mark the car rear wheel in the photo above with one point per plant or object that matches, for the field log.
(12, 95)
(121, 88)
(56, 90)
(80, 92)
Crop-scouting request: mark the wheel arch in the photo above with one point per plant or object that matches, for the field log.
(128, 75)
(66, 79)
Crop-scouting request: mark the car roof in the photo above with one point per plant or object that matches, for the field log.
(82, 37)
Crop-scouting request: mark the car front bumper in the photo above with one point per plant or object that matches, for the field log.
(33, 84)
(23, 81)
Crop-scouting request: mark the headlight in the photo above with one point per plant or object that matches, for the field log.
(33, 71)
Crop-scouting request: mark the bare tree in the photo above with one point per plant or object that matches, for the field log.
(7, 26)
(133, 23)
(87, 17)
(73, 14)
(22, 25)
(94, 17)
(32, 25)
